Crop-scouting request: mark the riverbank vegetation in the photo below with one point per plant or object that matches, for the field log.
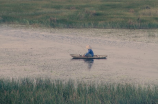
(38, 91)
(81, 13)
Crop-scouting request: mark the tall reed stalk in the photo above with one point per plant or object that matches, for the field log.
(81, 13)
(38, 91)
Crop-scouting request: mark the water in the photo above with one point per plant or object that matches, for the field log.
(39, 53)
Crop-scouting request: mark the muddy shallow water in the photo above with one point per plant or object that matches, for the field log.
(132, 54)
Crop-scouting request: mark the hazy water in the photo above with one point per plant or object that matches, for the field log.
(39, 53)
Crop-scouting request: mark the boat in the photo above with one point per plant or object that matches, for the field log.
(78, 56)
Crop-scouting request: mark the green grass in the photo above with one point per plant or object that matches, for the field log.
(81, 13)
(40, 91)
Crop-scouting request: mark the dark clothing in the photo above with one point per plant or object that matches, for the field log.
(89, 52)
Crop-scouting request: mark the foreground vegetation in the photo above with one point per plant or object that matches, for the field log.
(39, 91)
(81, 13)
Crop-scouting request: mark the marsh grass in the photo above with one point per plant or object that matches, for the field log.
(81, 13)
(41, 91)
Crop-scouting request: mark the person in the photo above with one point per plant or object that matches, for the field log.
(90, 51)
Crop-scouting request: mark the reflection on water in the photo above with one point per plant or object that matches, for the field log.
(87, 61)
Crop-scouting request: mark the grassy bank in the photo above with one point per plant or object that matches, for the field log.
(81, 13)
(58, 92)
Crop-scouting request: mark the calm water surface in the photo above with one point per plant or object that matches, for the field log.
(36, 53)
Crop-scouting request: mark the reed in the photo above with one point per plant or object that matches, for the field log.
(39, 91)
(81, 13)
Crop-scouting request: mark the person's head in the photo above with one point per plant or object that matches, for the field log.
(88, 47)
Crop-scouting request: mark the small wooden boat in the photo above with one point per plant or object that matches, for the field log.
(78, 56)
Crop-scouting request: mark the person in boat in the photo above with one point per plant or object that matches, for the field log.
(90, 51)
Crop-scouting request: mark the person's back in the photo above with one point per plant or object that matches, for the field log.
(90, 51)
